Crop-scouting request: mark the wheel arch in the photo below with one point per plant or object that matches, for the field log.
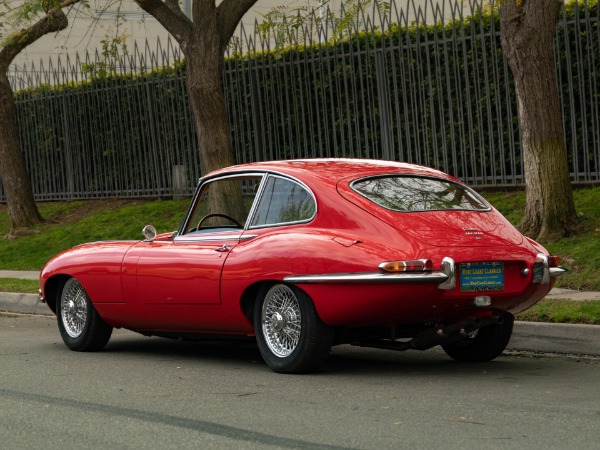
(248, 299)
(52, 289)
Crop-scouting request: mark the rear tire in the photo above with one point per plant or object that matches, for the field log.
(290, 335)
(81, 327)
(484, 344)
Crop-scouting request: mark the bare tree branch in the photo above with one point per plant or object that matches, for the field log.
(175, 22)
(229, 15)
(55, 21)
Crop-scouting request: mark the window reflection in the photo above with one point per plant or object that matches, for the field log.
(403, 193)
(283, 201)
(217, 209)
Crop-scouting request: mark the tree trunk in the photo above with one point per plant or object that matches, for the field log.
(22, 210)
(204, 72)
(527, 35)
(203, 41)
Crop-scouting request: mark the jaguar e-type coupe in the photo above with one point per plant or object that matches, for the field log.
(307, 254)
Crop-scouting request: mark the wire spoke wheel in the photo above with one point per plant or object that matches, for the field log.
(80, 325)
(73, 308)
(281, 320)
(290, 335)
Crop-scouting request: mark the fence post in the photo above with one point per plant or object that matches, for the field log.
(383, 97)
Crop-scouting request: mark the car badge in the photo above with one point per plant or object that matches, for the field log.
(469, 231)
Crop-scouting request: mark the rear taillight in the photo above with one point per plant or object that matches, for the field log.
(415, 265)
(553, 261)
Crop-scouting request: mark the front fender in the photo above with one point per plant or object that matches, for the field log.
(97, 266)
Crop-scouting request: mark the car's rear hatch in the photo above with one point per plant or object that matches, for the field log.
(479, 227)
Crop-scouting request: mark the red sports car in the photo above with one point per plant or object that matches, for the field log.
(306, 254)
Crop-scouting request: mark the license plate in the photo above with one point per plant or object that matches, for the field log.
(481, 276)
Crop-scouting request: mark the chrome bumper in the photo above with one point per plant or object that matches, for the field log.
(369, 277)
(445, 277)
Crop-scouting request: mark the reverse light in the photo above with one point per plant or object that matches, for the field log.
(415, 265)
(482, 301)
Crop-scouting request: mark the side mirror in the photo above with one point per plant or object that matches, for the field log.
(149, 232)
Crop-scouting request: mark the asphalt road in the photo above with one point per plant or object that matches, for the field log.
(155, 393)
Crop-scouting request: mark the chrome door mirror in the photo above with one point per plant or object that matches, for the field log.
(149, 232)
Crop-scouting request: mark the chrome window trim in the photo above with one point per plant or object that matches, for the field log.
(428, 177)
(203, 181)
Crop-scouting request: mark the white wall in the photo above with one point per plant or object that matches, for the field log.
(88, 27)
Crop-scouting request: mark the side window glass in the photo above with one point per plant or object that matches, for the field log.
(224, 204)
(283, 201)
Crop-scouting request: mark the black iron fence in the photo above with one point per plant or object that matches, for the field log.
(426, 85)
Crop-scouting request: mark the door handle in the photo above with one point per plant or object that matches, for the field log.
(224, 248)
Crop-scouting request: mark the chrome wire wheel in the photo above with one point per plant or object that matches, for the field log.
(281, 320)
(73, 308)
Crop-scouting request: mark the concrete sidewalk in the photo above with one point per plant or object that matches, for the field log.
(527, 336)
(20, 274)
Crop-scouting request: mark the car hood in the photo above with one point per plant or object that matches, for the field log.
(452, 228)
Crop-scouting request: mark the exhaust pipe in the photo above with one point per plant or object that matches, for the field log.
(452, 333)
(433, 336)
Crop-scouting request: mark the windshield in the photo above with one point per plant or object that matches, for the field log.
(411, 193)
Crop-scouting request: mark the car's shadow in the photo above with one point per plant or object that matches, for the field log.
(343, 359)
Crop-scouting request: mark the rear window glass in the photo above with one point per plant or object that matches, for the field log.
(405, 193)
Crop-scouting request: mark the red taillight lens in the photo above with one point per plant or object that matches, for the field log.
(553, 261)
(415, 265)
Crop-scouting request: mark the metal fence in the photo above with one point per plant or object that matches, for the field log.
(391, 86)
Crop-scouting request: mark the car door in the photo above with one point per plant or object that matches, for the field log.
(186, 269)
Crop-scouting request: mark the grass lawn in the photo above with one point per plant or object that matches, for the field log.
(72, 223)
(21, 286)
(563, 311)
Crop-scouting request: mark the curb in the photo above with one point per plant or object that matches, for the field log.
(556, 338)
(22, 303)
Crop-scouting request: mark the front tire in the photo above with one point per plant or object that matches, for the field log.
(81, 327)
(484, 344)
(290, 335)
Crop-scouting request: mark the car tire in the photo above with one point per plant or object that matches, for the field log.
(484, 344)
(290, 335)
(81, 327)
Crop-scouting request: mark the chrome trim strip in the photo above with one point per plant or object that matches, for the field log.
(211, 238)
(247, 237)
(369, 277)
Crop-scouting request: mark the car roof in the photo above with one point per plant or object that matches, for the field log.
(333, 170)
